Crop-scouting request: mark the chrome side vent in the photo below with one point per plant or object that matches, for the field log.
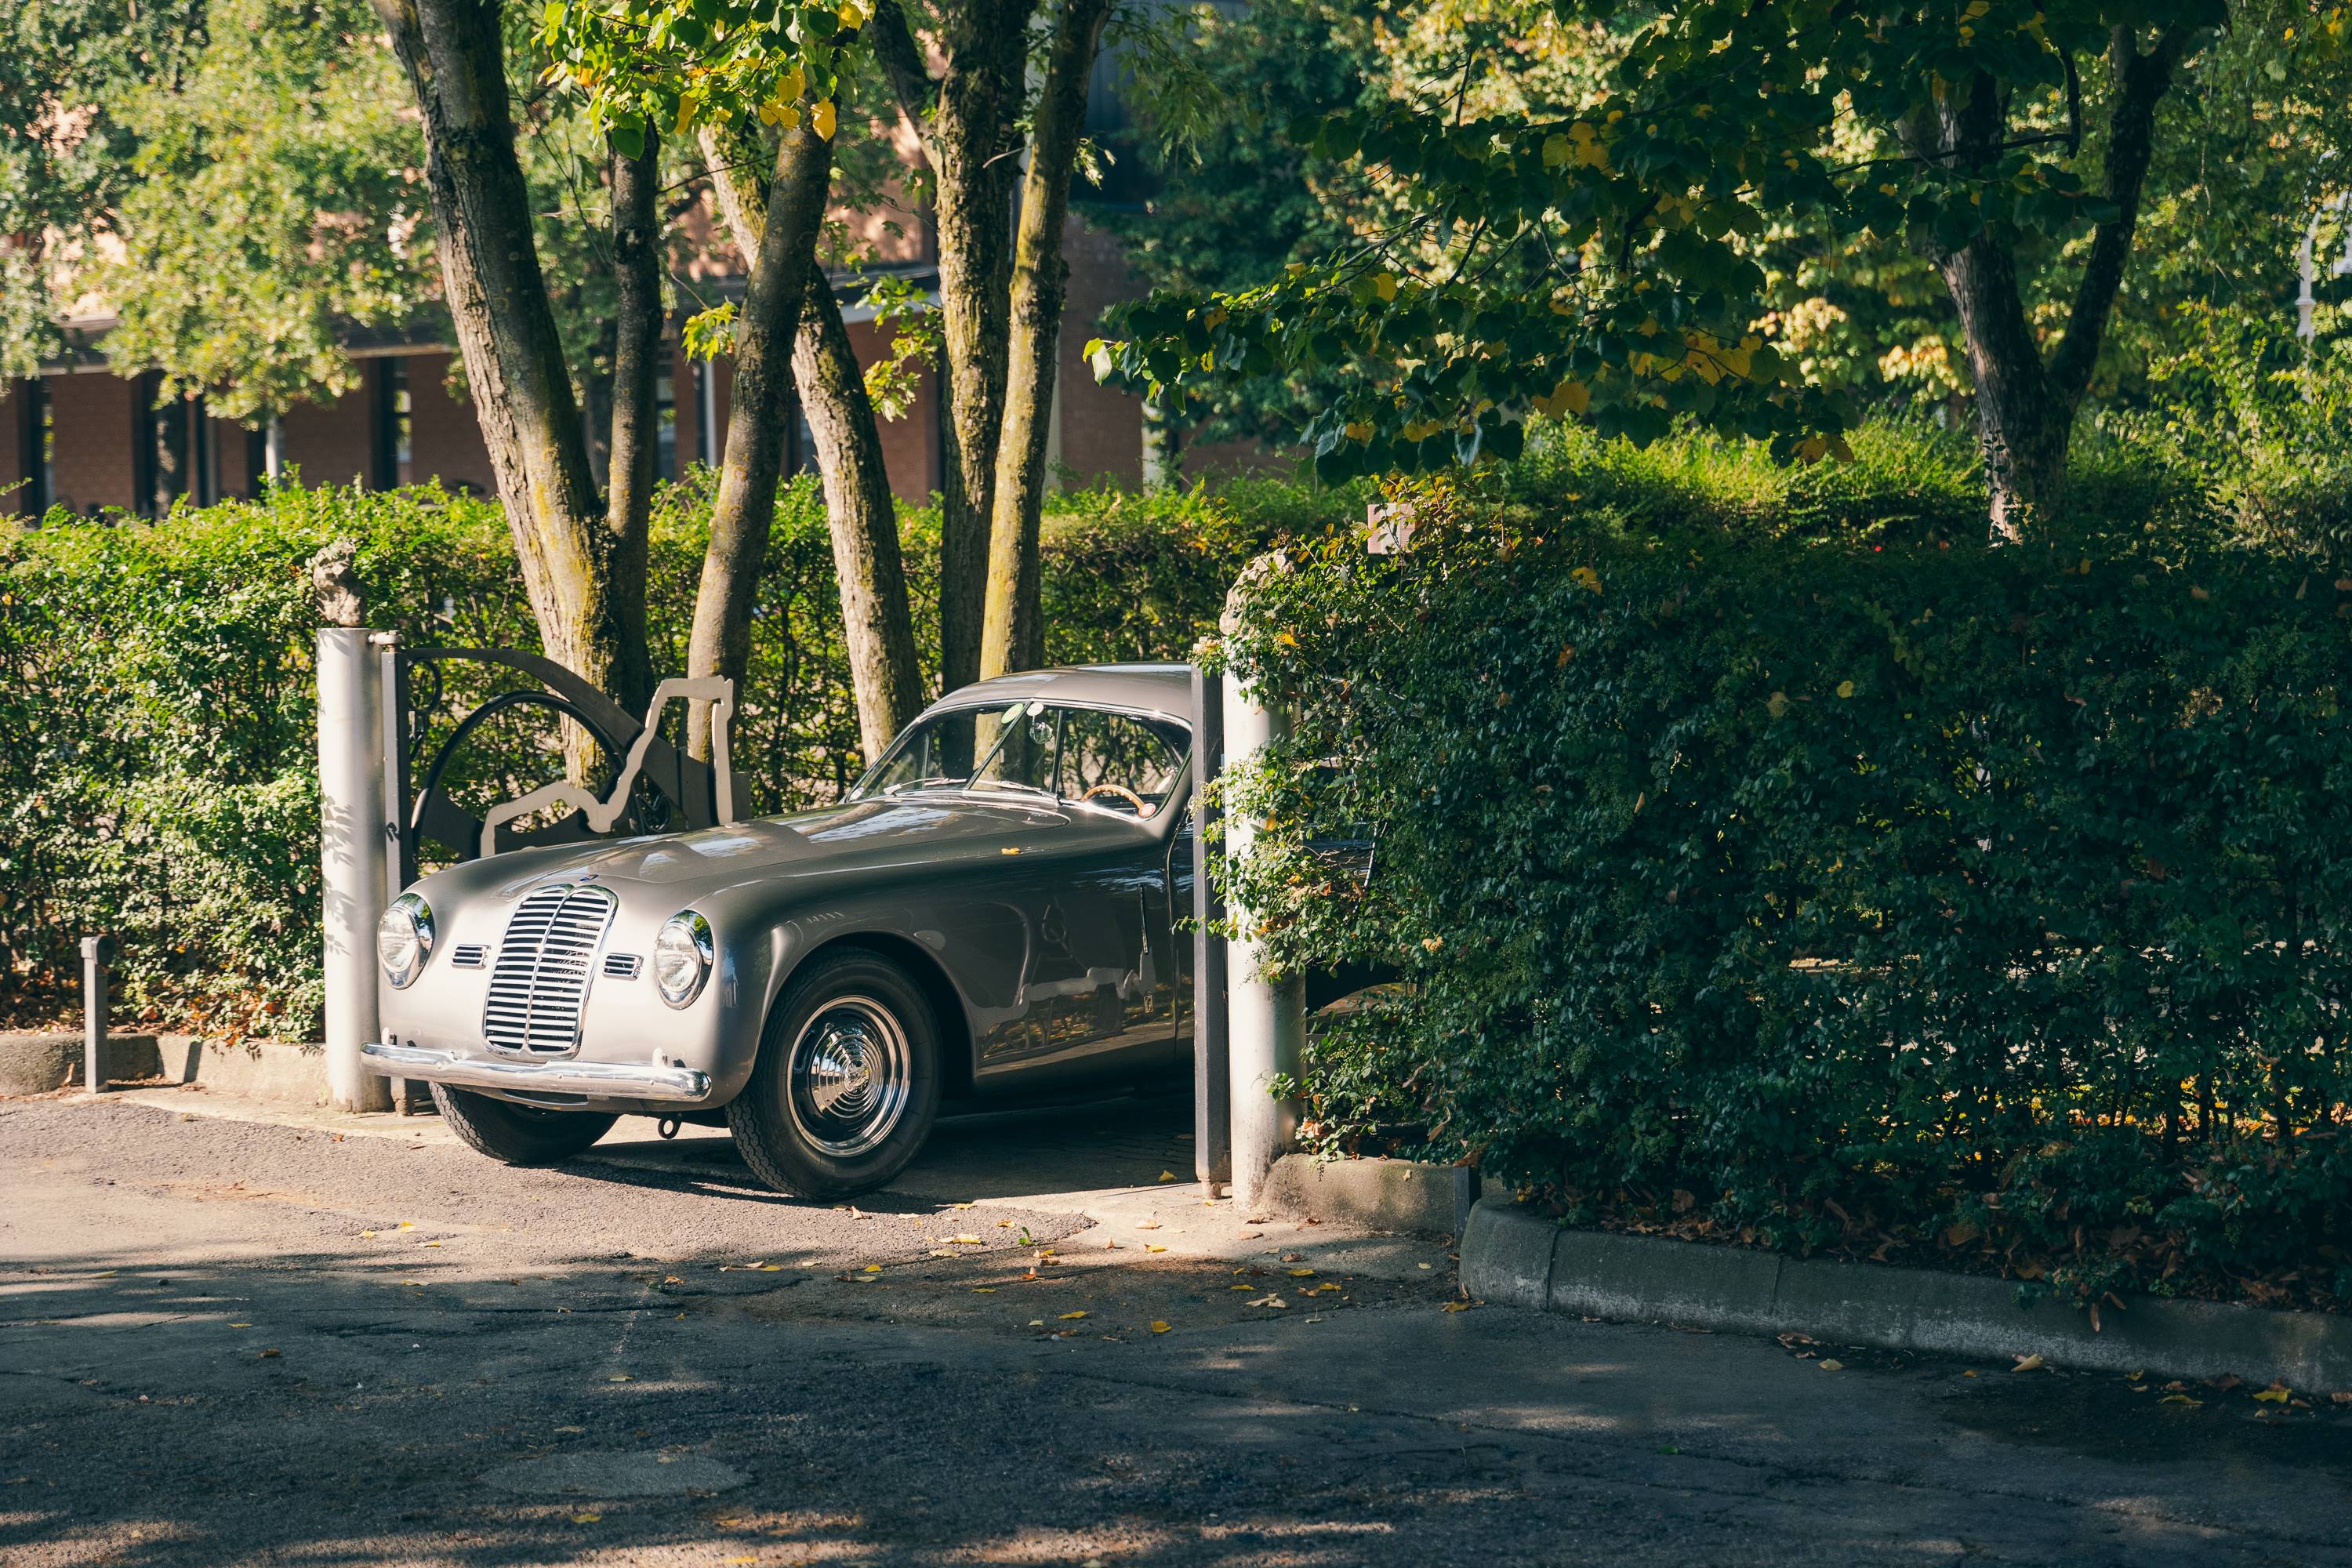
(623, 965)
(470, 956)
(539, 987)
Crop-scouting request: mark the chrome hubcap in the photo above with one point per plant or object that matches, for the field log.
(849, 1076)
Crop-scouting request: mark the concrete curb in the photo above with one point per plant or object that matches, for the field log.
(39, 1061)
(1373, 1195)
(284, 1070)
(1522, 1259)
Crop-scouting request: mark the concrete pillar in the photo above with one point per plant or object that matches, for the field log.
(350, 857)
(1213, 1161)
(1266, 1022)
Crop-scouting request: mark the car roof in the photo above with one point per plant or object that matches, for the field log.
(1162, 689)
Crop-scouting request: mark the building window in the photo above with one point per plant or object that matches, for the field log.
(393, 454)
(665, 428)
(800, 452)
(705, 413)
(164, 448)
(36, 447)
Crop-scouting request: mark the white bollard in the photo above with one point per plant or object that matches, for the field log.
(350, 858)
(1266, 1023)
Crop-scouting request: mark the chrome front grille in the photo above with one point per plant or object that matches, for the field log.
(539, 985)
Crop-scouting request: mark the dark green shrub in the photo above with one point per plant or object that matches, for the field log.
(1892, 899)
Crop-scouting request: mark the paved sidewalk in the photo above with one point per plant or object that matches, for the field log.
(231, 1342)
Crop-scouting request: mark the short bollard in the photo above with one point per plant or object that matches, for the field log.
(97, 953)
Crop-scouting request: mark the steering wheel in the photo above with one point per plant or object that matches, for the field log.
(1123, 793)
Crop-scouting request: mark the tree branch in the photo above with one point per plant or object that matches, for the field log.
(2142, 80)
(902, 61)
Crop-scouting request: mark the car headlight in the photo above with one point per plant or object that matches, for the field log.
(404, 938)
(682, 953)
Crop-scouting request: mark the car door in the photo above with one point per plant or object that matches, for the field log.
(1099, 973)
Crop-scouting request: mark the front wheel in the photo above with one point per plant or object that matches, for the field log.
(848, 1080)
(519, 1134)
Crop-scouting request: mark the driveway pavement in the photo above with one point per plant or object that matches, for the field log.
(229, 1339)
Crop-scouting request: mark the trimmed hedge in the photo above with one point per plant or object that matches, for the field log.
(158, 766)
(1898, 899)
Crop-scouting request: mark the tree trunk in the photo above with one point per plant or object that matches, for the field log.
(1013, 631)
(877, 624)
(2025, 407)
(637, 361)
(720, 641)
(497, 298)
(967, 121)
(2023, 423)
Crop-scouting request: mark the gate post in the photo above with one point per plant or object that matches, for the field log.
(350, 858)
(1213, 1161)
(1267, 1032)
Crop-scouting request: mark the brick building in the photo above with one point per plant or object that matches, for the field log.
(83, 436)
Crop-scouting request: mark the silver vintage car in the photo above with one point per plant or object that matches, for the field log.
(990, 913)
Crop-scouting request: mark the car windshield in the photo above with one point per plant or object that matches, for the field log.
(1010, 747)
(1112, 761)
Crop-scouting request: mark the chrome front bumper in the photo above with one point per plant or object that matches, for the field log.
(597, 1080)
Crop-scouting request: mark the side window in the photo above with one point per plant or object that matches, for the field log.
(1118, 761)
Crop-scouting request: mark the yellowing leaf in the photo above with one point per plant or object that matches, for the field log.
(821, 118)
(586, 1517)
(620, 1377)
(1832, 1364)
(1167, 1175)
(1384, 284)
(1154, 1247)
(1458, 1306)
(1302, 1274)
(1585, 578)
(2276, 1393)
(1068, 1316)
(1158, 1327)
(965, 1240)
(1846, 688)
(873, 1269)
(1568, 397)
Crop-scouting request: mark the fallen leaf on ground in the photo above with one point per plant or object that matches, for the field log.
(621, 1377)
(1832, 1364)
(2227, 1381)
(873, 1269)
(960, 1205)
(983, 1290)
(2028, 1363)
(240, 1325)
(266, 1354)
(1159, 1327)
(1147, 1224)
(1154, 1247)
(408, 1224)
(1459, 1306)
(965, 1240)
(2180, 1399)
(1167, 1175)
(1257, 1219)
(1067, 1316)
(1269, 1302)
(2276, 1393)
(1251, 1235)
(586, 1517)
(1302, 1274)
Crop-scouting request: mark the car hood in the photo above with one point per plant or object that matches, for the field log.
(865, 835)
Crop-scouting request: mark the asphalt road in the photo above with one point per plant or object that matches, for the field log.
(225, 1342)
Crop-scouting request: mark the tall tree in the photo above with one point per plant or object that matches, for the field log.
(1628, 256)
(967, 116)
(728, 62)
(453, 55)
(65, 151)
(1012, 629)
